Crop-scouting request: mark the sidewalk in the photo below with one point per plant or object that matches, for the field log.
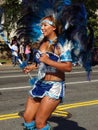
(8, 67)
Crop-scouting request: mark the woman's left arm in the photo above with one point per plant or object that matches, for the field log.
(62, 66)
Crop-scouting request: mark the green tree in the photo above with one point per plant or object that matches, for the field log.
(92, 8)
(12, 12)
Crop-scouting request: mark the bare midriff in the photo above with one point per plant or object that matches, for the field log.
(58, 76)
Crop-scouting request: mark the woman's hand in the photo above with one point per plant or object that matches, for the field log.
(29, 68)
(44, 58)
(62, 66)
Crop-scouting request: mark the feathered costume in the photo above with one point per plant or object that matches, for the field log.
(73, 20)
(71, 17)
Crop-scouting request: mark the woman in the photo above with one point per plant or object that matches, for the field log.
(27, 53)
(48, 91)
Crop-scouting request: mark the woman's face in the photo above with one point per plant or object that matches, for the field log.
(47, 29)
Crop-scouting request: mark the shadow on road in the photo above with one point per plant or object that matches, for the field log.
(64, 124)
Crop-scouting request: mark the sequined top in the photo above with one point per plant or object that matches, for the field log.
(65, 56)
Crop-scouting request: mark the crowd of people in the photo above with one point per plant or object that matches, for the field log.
(22, 50)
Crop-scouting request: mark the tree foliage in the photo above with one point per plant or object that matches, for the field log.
(12, 12)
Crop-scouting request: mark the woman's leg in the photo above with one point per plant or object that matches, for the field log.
(27, 58)
(44, 111)
(30, 112)
(31, 109)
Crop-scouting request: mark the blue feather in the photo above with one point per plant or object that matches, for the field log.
(74, 22)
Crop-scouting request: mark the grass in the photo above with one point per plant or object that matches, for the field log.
(5, 61)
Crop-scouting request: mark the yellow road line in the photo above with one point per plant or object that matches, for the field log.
(60, 114)
(8, 115)
(75, 105)
(6, 118)
(59, 111)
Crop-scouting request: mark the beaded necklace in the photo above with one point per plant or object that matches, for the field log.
(52, 41)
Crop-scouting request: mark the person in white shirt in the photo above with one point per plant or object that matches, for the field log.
(14, 53)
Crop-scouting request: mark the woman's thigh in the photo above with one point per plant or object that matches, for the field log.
(31, 109)
(46, 107)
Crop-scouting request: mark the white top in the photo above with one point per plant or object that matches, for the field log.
(14, 50)
(21, 49)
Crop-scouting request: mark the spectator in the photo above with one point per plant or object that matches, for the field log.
(21, 51)
(27, 53)
(14, 53)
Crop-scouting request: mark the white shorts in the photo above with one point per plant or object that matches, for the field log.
(53, 89)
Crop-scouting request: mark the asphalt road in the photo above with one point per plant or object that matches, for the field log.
(79, 110)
